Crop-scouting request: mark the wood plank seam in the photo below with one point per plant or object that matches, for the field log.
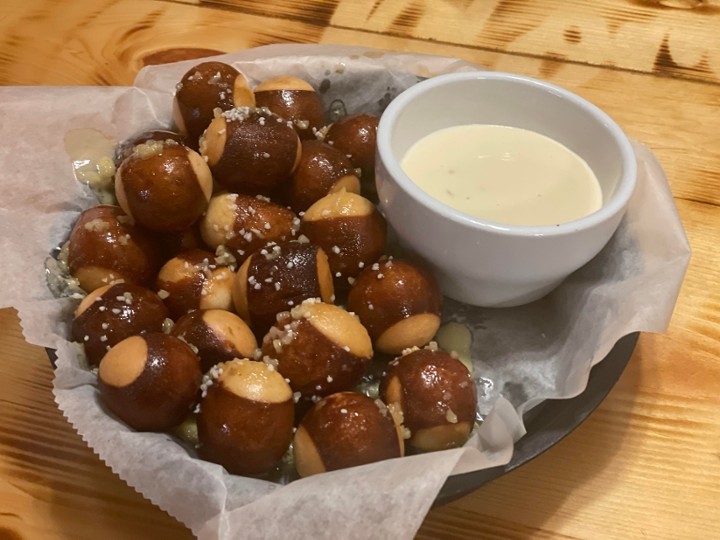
(217, 6)
(525, 55)
(313, 22)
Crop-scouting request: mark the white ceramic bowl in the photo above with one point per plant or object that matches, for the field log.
(481, 262)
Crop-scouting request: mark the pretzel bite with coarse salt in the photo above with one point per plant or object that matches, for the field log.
(350, 230)
(204, 88)
(151, 381)
(125, 149)
(293, 99)
(322, 169)
(355, 136)
(320, 348)
(437, 397)
(244, 224)
(277, 278)
(105, 246)
(112, 313)
(343, 430)
(215, 335)
(164, 187)
(246, 417)
(250, 150)
(194, 280)
(399, 303)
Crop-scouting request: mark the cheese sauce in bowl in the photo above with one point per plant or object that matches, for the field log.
(503, 184)
(504, 174)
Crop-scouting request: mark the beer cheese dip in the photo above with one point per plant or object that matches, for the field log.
(504, 174)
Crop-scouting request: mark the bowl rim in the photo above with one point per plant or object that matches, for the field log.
(615, 206)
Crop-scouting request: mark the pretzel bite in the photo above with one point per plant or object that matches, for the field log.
(277, 278)
(244, 224)
(355, 136)
(345, 430)
(322, 169)
(151, 381)
(399, 304)
(194, 280)
(215, 335)
(105, 246)
(295, 100)
(164, 187)
(246, 417)
(320, 348)
(350, 230)
(125, 149)
(250, 150)
(176, 242)
(204, 88)
(112, 313)
(436, 395)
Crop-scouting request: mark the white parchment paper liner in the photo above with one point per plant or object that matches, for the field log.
(521, 355)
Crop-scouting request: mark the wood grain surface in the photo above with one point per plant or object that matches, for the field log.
(647, 462)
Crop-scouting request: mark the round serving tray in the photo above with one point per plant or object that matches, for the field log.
(553, 420)
(549, 423)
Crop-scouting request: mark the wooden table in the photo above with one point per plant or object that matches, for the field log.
(646, 464)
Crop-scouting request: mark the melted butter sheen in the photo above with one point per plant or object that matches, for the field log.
(91, 154)
(504, 174)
